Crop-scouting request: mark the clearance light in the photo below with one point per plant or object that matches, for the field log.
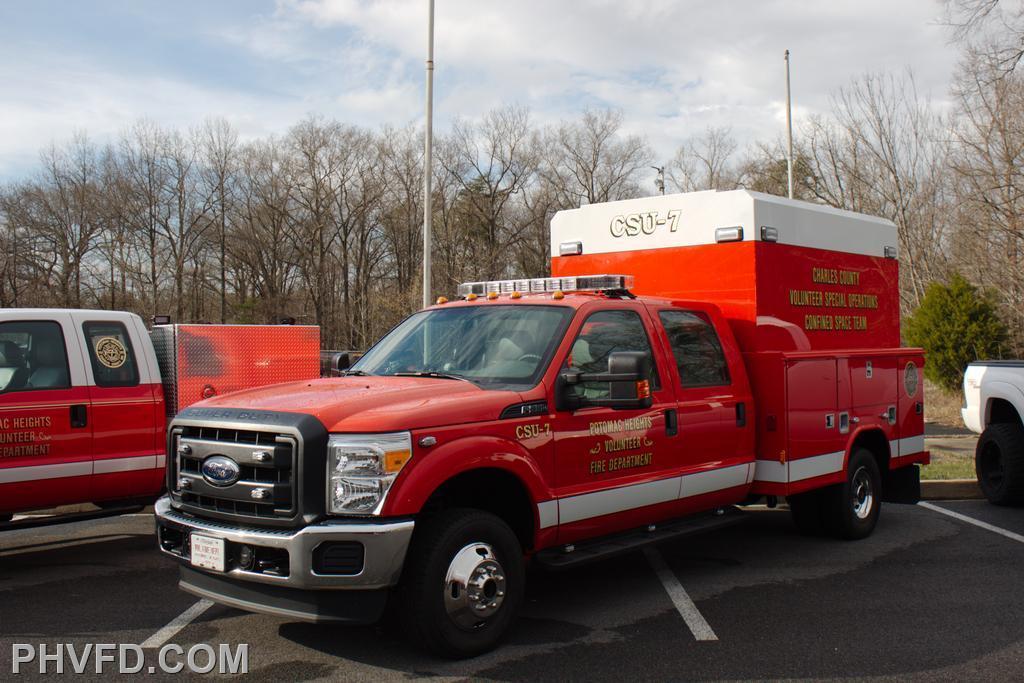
(729, 234)
(570, 248)
(517, 295)
(442, 300)
(471, 297)
(769, 234)
(582, 283)
(558, 295)
(890, 252)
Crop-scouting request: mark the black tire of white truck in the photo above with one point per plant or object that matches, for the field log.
(999, 463)
(463, 583)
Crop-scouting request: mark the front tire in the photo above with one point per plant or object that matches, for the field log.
(999, 463)
(463, 583)
(854, 506)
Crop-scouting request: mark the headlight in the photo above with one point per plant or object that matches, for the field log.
(361, 468)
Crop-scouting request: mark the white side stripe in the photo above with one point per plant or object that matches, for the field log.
(907, 446)
(828, 463)
(142, 462)
(547, 511)
(816, 466)
(10, 475)
(13, 475)
(610, 501)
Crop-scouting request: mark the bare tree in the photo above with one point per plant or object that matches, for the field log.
(705, 162)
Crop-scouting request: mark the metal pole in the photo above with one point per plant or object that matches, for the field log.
(789, 130)
(428, 165)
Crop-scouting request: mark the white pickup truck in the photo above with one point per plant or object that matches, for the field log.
(993, 407)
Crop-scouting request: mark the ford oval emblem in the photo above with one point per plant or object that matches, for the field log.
(221, 470)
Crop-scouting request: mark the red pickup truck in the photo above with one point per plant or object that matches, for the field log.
(86, 395)
(563, 419)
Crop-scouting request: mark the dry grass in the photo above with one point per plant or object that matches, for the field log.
(942, 406)
(949, 465)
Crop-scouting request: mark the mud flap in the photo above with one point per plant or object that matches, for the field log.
(902, 485)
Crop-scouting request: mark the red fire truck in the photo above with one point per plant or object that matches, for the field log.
(751, 350)
(83, 411)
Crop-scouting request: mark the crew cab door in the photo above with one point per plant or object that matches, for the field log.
(45, 441)
(613, 466)
(124, 406)
(712, 405)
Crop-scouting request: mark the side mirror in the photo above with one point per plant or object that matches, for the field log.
(629, 383)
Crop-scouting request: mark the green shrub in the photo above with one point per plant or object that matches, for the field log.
(955, 324)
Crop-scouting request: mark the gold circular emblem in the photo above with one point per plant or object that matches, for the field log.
(110, 352)
(910, 379)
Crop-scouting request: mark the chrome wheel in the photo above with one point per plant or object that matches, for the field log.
(474, 586)
(863, 493)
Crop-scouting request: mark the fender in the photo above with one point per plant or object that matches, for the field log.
(1000, 390)
(430, 469)
(856, 434)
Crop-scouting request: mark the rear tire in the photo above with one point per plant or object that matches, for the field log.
(999, 463)
(807, 510)
(463, 583)
(852, 508)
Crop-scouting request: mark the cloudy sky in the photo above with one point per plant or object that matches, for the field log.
(673, 67)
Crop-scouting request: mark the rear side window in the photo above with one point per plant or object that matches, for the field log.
(697, 349)
(33, 356)
(111, 354)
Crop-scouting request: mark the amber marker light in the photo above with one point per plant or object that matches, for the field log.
(516, 295)
(471, 297)
(643, 389)
(558, 295)
(441, 300)
(491, 296)
(395, 460)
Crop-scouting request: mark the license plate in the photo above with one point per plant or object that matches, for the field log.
(208, 552)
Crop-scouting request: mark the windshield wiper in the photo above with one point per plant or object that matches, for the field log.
(434, 374)
(354, 373)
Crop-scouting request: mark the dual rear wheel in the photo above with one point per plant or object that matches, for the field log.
(849, 510)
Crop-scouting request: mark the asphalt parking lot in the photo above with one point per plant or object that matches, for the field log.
(927, 596)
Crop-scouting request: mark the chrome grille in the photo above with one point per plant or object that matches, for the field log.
(267, 463)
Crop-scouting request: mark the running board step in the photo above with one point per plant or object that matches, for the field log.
(52, 520)
(565, 556)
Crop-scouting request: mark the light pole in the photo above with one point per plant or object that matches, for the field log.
(428, 149)
(789, 130)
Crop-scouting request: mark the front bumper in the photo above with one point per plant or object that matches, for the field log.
(384, 547)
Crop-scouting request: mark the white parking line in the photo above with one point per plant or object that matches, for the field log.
(684, 605)
(975, 522)
(176, 624)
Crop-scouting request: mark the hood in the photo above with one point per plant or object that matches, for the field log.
(375, 404)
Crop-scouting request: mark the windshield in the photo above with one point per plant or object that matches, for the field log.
(494, 346)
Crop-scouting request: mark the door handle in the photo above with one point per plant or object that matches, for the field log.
(741, 414)
(671, 422)
(79, 415)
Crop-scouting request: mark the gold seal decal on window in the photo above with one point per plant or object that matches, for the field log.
(110, 352)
